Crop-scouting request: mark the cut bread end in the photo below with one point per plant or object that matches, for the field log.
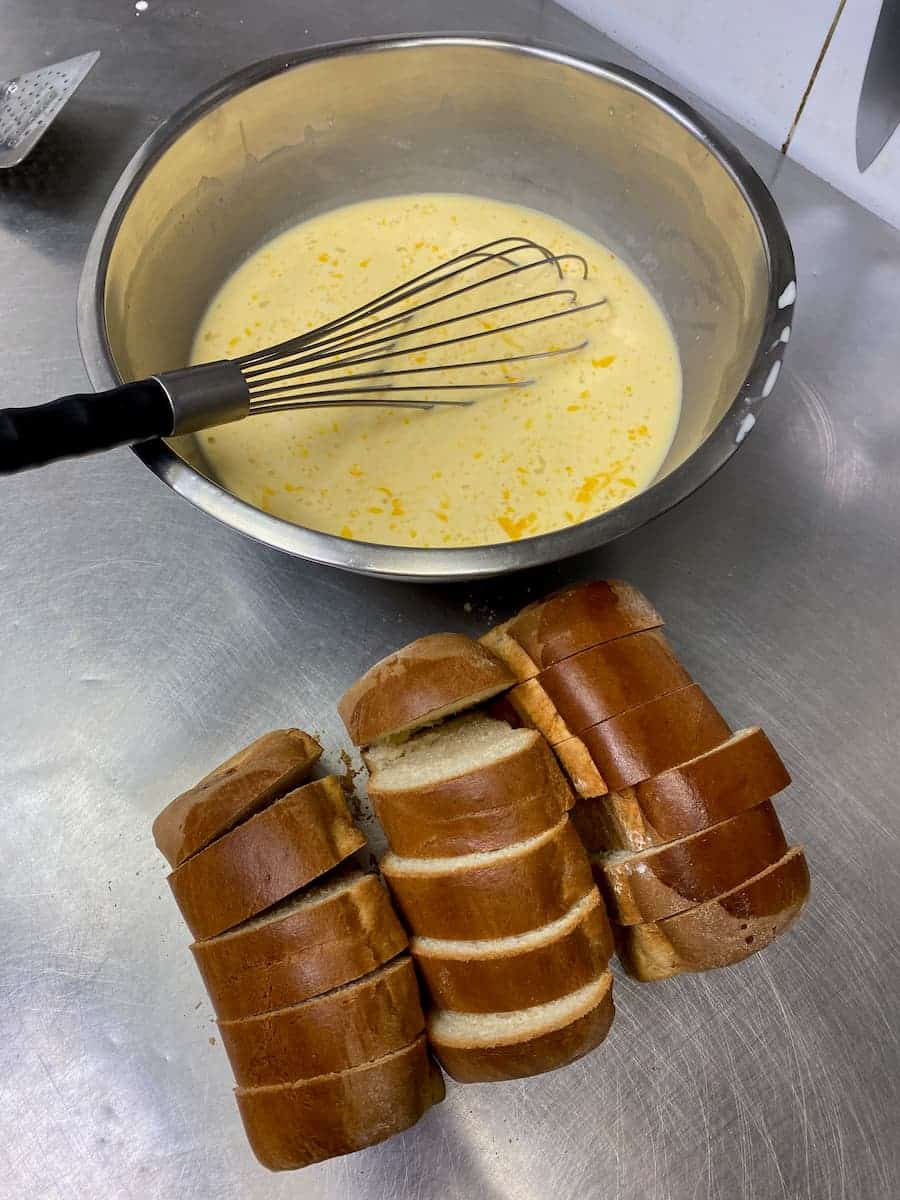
(419, 685)
(466, 743)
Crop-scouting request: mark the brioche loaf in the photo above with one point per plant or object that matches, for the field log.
(469, 785)
(484, 1047)
(572, 620)
(653, 737)
(721, 931)
(292, 1125)
(354, 1024)
(427, 680)
(293, 841)
(652, 884)
(735, 776)
(495, 894)
(331, 934)
(249, 780)
(532, 968)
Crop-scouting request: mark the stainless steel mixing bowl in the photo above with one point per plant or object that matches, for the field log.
(593, 144)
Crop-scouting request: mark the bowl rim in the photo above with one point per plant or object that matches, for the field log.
(469, 562)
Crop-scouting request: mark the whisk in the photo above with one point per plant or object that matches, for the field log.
(375, 355)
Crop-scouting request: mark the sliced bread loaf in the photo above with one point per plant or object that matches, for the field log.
(653, 737)
(735, 776)
(486, 1047)
(261, 772)
(469, 785)
(602, 682)
(518, 972)
(427, 680)
(329, 935)
(721, 931)
(287, 845)
(572, 620)
(292, 1125)
(355, 1024)
(652, 884)
(495, 894)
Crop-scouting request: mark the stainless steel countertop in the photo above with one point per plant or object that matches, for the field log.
(142, 643)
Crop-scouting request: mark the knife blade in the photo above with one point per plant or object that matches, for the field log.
(878, 114)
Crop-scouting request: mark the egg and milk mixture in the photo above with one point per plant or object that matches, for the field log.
(591, 431)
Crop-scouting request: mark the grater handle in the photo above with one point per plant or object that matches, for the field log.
(83, 423)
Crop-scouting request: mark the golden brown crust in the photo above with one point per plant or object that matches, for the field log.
(605, 680)
(362, 1021)
(424, 680)
(644, 741)
(570, 621)
(721, 931)
(293, 1125)
(301, 953)
(735, 776)
(266, 769)
(281, 849)
(507, 801)
(499, 898)
(534, 708)
(534, 1056)
(524, 978)
(579, 766)
(665, 880)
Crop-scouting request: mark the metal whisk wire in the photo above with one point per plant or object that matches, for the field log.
(360, 358)
(296, 372)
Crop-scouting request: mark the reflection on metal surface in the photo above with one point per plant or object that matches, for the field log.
(143, 642)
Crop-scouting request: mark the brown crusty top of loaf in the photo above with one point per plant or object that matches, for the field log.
(488, 1047)
(721, 931)
(735, 776)
(515, 791)
(644, 741)
(354, 1024)
(503, 974)
(248, 781)
(286, 846)
(418, 685)
(657, 883)
(295, 1124)
(328, 935)
(572, 620)
(495, 894)
(605, 680)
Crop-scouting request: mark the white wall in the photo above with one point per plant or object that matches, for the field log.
(754, 62)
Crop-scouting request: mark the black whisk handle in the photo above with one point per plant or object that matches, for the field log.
(83, 424)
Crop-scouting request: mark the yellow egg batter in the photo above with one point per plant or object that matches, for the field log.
(590, 432)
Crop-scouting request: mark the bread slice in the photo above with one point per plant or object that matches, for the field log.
(721, 931)
(354, 1024)
(580, 768)
(495, 894)
(427, 680)
(644, 741)
(486, 1047)
(296, 1124)
(735, 776)
(329, 935)
(469, 785)
(572, 620)
(521, 971)
(602, 682)
(249, 780)
(657, 883)
(294, 841)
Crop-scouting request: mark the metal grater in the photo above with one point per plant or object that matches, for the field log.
(29, 104)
